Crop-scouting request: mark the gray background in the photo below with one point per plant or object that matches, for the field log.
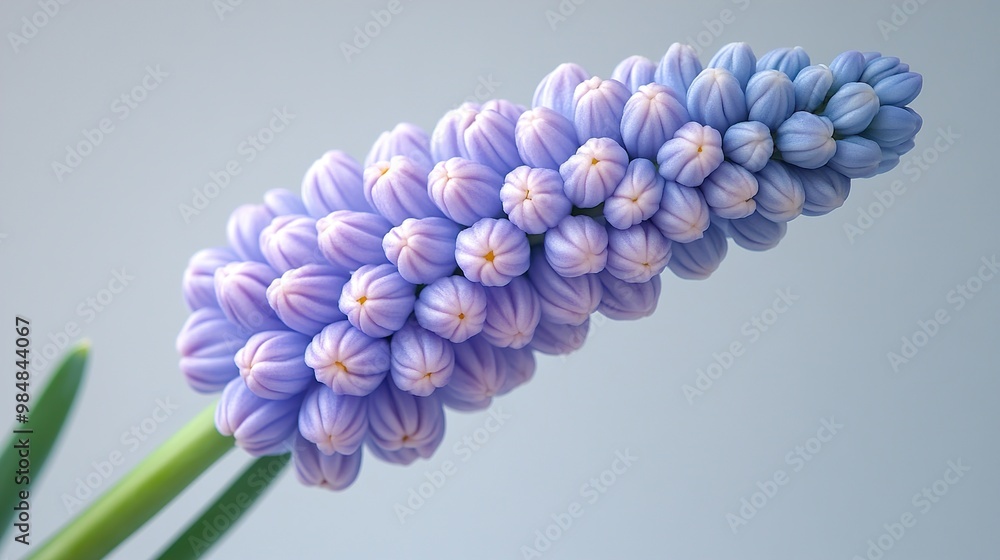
(825, 357)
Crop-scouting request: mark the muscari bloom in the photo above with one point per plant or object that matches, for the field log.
(342, 321)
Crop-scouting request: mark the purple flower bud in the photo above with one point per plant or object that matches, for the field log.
(597, 109)
(398, 189)
(592, 173)
(480, 374)
(520, 367)
(715, 99)
(290, 242)
(789, 61)
(453, 308)
(334, 423)
(698, 259)
(683, 214)
(749, 145)
(206, 344)
(856, 157)
(347, 360)
(852, 108)
(770, 98)
(577, 246)
(544, 138)
(534, 199)
(893, 125)
(421, 360)
(555, 91)
(283, 201)
(272, 366)
(350, 239)
(512, 313)
(506, 108)
(678, 68)
(871, 55)
(377, 300)
(738, 59)
(693, 153)
(899, 90)
(241, 288)
(492, 252)
(625, 301)
(243, 230)
(402, 456)
(634, 71)
(555, 339)
(448, 138)
(729, 190)
(399, 420)
(465, 190)
(563, 300)
(638, 253)
(199, 276)
(826, 190)
(333, 183)
(333, 472)
(404, 139)
(780, 194)
(651, 117)
(880, 68)
(490, 141)
(306, 299)
(422, 249)
(637, 197)
(806, 140)
(846, 68)
(757, 233)
(260, 426)
(811, 86)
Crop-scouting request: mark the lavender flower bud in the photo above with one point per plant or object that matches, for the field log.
(490, 141)
(534, 199)
(634, 71)
(749, 145)
(638, 253)
(729, 190)
(421, 360)
(651, 117)
(399, 420)
(715, 99)
(402, 456)
(334, 423)
(811, 86)
(350, 239)
(199, 276)
(347, 360)
(678, 68)
(555, 339)
(272, 366)
(512, 313)
(453, 308)
(404, 139)
(206, 344)
(556, 89)
(757, 233)
(377, 300)
(592, 173)
(423, 250)
(893, 125)
(826, 190)
(492, 252)
(693, 153)
(290, 242)
(243, 230)
(283, 201)
(333, 183)
(900, 89)
(597, 109)
(480, 374)
(698, 259)
(770, 98)
(637, 197)
(398, 189)
(306, 299)
(520, 367)
(780, 194)
(260, 426)
(806, 140)
(563, 300)
(846, 68)
(683, 214)
(544, 138)
(577, 246)
(852, 108)
(880, 68)
(789, 61)
(856, 157)
(506, 108)
(448, 137)
(333, 472)
(241, 288)
(738, 59)
(625, 301)
(464, 190)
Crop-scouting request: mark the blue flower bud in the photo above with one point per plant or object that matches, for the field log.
(577, 246)
(893, 125)
(448, 137)
(404, 139)
(283, 201)
(272, 365)
(556, 89)
(199, 276)
(806, 140)
(890, 159)
(678, 68)
(332, 183)
(333, 472)
(826, 190)
(492, 252)
(592, 173)
(464, 190)
(852, 108)
(555, 339)
(490, 141)
(351, 239)
(544, 138)
(780, 194)
(738, 59)
(290, 242)
(634, 71)
(421, 360)
(789, 61)
(422, 249)
(260, 426)
(856, 157)
(637, 196)
(698, 259)
(693, 153)
(625, 301)
(534, 199)
(811, 86)
(241, 288)
(399, 420)
(306, 299)
(520, 367)
(377, 300)
(749, 145)
(480, 374)
(453, 308)
(770, 98)
(334, 423)
(846, 68)
(729, 190)
(347, 360)
(398, 189)
(757, 233)
(206, 344)
(715, 99)
(243, 230)
(597, 109)
(563, 300)
(638, 253)
(880, 68)
(506, 108)
(512, 313)
(651, 117)
(683, 214)
(899, 90)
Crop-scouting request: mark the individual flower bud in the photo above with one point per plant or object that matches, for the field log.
(544, 138)
(780, 194)
(698, 259)
(399, 420)
(492, 252)
(520, 367)
(349, 240)
(638, 253)
(693, 153)
(335, 423)
(770, 98)
(306, 299)
(846, 68)
(637, 196)
(490, 141)
(199, 276)
(377, 300)
(283, 201)
(893, 125)
(900, 89)
(333, 472)
(206, 343)
(678, 68)
(347, 360)
(826, 190)
(333, 183)
(290, 242)
(404, 139)
(856, 157)
(871, 55)
(556, 89)
(448, 137)
(423, 250)
(738, 59)
(651, 117)
(397, 189)
(890, 160)
(597, 109)
(272, 366)
(260, 426)
(592, 173)
(811, 86)
(729, 190)
(512, 313)
(577, 246)
(243, 230)
(749, 145)
(806, 140)
(479, 376)
(715, 99)
(506, 108)
(563, 300)
(241, 288)
(757, 233)
(453, 308)
(683, 214)
(421, 360)
(465, 190)
(789, 61)
(852, 108)
(533, 199)
(555, 339)
(625, 301)
(880, 68)
(634, 71)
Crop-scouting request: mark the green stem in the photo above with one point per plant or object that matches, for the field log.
(141, 493)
